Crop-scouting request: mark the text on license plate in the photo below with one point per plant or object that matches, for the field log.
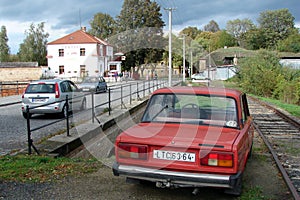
(38, 100)
(174, 155)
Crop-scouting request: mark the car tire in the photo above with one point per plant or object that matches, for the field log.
(237, 188)
(64, 113)
(97, 90)
(83, 105)
(25, 115)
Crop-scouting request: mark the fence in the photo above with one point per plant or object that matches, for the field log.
(12, 88)
(140, 92)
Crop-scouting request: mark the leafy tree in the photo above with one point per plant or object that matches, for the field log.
(212, 26)
(253, 39)
(102, 25)
(276, 25)
(191, 32)
(260, 74)
(221, 39)
(4, 53)
(33, 47)
(140, 31)
(290, 44)
(238, 27)
(204, 39)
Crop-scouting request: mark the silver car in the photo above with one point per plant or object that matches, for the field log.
(52, 94)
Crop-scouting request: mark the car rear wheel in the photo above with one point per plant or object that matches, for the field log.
(237, 188)
(25, 115)
(64, 113)
(83, 105)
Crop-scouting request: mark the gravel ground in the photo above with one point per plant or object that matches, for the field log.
(260, 173)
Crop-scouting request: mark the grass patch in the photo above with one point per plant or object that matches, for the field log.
(24, 168)
(253, 193)
(291, 108)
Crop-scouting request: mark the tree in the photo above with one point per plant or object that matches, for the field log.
(4, 53)
(102, 25)
(276, 25)
(140, 31)
(290, 44)
(191, 32)
(212, 26)
(33, 47)
(238, 27)
(221, 39)
(253, 39)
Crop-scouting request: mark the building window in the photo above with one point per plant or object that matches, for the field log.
(82, 51)
(61, 52)
(61, 69)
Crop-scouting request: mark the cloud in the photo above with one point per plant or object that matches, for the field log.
(62, 16)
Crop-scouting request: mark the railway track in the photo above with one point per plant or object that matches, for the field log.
(281, 134)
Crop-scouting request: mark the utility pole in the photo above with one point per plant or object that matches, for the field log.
(170, 44)
(183, 56)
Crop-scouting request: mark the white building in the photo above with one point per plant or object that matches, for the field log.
(79, 54)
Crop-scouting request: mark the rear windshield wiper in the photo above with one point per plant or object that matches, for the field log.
(162, 109)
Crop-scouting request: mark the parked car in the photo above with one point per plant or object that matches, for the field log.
(198, 76)
(93, 84)
(188, 137)
(53, 93)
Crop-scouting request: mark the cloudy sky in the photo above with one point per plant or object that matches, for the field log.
(62, 17)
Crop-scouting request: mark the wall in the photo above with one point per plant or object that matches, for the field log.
(20, 73)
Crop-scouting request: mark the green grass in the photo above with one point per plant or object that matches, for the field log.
(292, 109)
(24, 168)
(253, 193)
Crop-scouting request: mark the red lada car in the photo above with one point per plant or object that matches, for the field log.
(189, 137)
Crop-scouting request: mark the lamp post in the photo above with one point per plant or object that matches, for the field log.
(183, 57)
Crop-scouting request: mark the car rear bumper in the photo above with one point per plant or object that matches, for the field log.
(173, 178)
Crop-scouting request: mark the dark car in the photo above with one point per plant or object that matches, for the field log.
(93, 84)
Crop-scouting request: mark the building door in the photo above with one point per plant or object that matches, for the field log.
(82, 71)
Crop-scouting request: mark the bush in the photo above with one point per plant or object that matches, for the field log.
(263, 75)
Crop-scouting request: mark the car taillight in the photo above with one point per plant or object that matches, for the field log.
(57, 94)
(217, 159)
(25, 91)
(132, 151)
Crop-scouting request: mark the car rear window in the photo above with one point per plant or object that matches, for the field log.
(192, 109)
(40, 88)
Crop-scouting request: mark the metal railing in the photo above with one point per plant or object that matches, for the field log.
(141, 89)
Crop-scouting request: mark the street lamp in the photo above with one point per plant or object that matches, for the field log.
(183, 56)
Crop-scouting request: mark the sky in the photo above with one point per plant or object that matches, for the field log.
(62, 17)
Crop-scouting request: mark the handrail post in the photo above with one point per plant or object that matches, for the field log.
(93, 108)
(67, 109)
(130, 97)
(28, 130)
(109, 103)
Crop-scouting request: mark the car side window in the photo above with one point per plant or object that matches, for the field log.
(65, 87)
(245, 109)
(73, 87)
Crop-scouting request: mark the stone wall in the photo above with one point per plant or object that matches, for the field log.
(20, 73)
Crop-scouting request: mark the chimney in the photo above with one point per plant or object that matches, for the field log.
(83, 28)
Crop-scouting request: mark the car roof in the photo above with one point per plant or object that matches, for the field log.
(199, 90)
(49, 81)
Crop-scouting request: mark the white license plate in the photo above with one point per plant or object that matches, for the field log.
(174, 155)
(38, 100)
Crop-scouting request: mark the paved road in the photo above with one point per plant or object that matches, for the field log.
(13, 127)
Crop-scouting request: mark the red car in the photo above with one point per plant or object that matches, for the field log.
(189, 137)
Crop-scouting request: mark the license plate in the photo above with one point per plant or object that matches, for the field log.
(174, 155)
(38, 100)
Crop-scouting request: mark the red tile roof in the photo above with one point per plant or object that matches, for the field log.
(78, 37)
